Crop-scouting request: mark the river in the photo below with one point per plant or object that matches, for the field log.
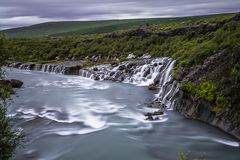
(73, 118)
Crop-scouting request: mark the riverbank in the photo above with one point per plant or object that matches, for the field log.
(85, 115)
(158, 72)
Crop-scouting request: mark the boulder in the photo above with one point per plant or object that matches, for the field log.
(158, 113)
(150, 118)
(16, 83)
(95, 69)
(121, 67)
(112, 73)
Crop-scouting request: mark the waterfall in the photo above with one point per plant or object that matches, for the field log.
(51, 68)
(141, 73)
(145, 72)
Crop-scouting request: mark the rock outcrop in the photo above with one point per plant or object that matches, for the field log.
(216, 68)
(13, 82)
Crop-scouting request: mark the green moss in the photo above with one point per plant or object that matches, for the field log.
(208, 91)
(205, 90)
(152, 87)
(235, 72)
(222, 103)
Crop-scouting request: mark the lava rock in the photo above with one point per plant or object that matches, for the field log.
(95, 69)
(158, 113)
(97, 78)
(112, 73)
(72, 70)
(16, 83)
(122, 67)
(150, 118)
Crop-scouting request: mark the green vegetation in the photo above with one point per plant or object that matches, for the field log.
(235, 72)
(188, 49)
(152, 87)
(222, 103)
(204, 90)
(188, 46)
(73, 28)
(9, 139)
(208, 91)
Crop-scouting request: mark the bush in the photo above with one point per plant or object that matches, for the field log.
(9, 139)
(204, 90)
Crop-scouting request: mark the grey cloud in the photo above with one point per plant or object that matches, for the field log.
(14, 13)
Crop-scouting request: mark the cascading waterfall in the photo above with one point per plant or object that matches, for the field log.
(144, 72)
(51, 68)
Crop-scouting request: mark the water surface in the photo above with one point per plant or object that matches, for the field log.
(71, 117)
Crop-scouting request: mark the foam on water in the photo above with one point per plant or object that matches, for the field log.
(218, 140)
(112, 114)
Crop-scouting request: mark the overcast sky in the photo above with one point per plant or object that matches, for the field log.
(15, 13)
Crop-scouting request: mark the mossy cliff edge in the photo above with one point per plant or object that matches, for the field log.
(211, 92)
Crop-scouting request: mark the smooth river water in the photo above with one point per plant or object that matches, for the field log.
(74, 118)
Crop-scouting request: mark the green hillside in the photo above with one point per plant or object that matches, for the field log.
(73, 28)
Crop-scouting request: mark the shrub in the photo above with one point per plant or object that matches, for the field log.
(9, 139)
(222, 103)
(204, 90)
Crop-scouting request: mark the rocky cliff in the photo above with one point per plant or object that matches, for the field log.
(220, 105)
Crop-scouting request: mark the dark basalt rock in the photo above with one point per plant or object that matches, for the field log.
(32, 66)
(150, 118)
(214, 68)
(97, 78)
(122, 67)
(16, 83)
(112, 73)
(156, 113)
(95, 69)
(13, 82)
(72, 70)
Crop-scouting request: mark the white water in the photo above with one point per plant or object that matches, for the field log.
(156, 71)
(71, 117)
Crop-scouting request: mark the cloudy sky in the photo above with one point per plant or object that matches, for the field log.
(15, 13)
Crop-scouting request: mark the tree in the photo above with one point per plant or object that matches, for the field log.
(9, 138)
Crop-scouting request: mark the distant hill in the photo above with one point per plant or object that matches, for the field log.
(73, 28)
